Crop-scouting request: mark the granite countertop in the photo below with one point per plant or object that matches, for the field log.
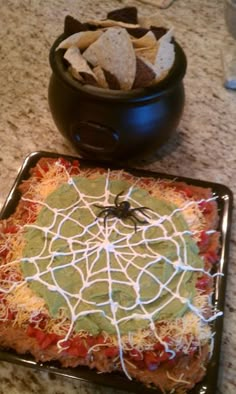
(204, 146)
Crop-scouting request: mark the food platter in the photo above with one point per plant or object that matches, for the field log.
(224, 203)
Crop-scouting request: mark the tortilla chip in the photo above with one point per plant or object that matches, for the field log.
(165, 56)
(123, 51)
(72, 26)
(75, 74)
(78, 63)
(126, 14)
(148, 53)
(147, 41)
(101, 79)
(90, 54)
(82, 40)
(145, 75)
(113, 51)
(152, 20)
(110, 23)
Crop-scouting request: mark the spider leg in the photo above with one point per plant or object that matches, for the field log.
(104, 211)
(134, 222)
(105, 218)
(103, 206)
(140, 209)
(139, 220)
(117, 198)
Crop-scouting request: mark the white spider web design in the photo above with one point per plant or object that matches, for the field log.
(110, 276)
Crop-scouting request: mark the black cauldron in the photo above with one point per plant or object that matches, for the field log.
(112, 124)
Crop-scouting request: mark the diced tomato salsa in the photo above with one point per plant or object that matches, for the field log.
(79, 347)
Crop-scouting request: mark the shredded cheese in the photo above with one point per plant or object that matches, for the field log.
(177, 380)
(24, 298)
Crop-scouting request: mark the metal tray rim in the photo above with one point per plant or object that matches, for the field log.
(209, 383)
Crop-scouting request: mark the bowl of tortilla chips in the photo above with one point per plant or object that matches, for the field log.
(116, 91)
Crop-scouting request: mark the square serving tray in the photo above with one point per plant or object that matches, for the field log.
(115, 380)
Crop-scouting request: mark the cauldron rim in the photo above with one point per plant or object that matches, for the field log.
(170, 82)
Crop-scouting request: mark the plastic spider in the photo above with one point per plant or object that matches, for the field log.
(122, 210)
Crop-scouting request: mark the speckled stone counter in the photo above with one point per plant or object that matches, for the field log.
(204, 146)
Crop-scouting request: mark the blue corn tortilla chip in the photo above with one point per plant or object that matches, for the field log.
(111, 80)
(137, 32)
(158, 31)
(126, 15)
(88, 79)
(72, 26)
(144, 74)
